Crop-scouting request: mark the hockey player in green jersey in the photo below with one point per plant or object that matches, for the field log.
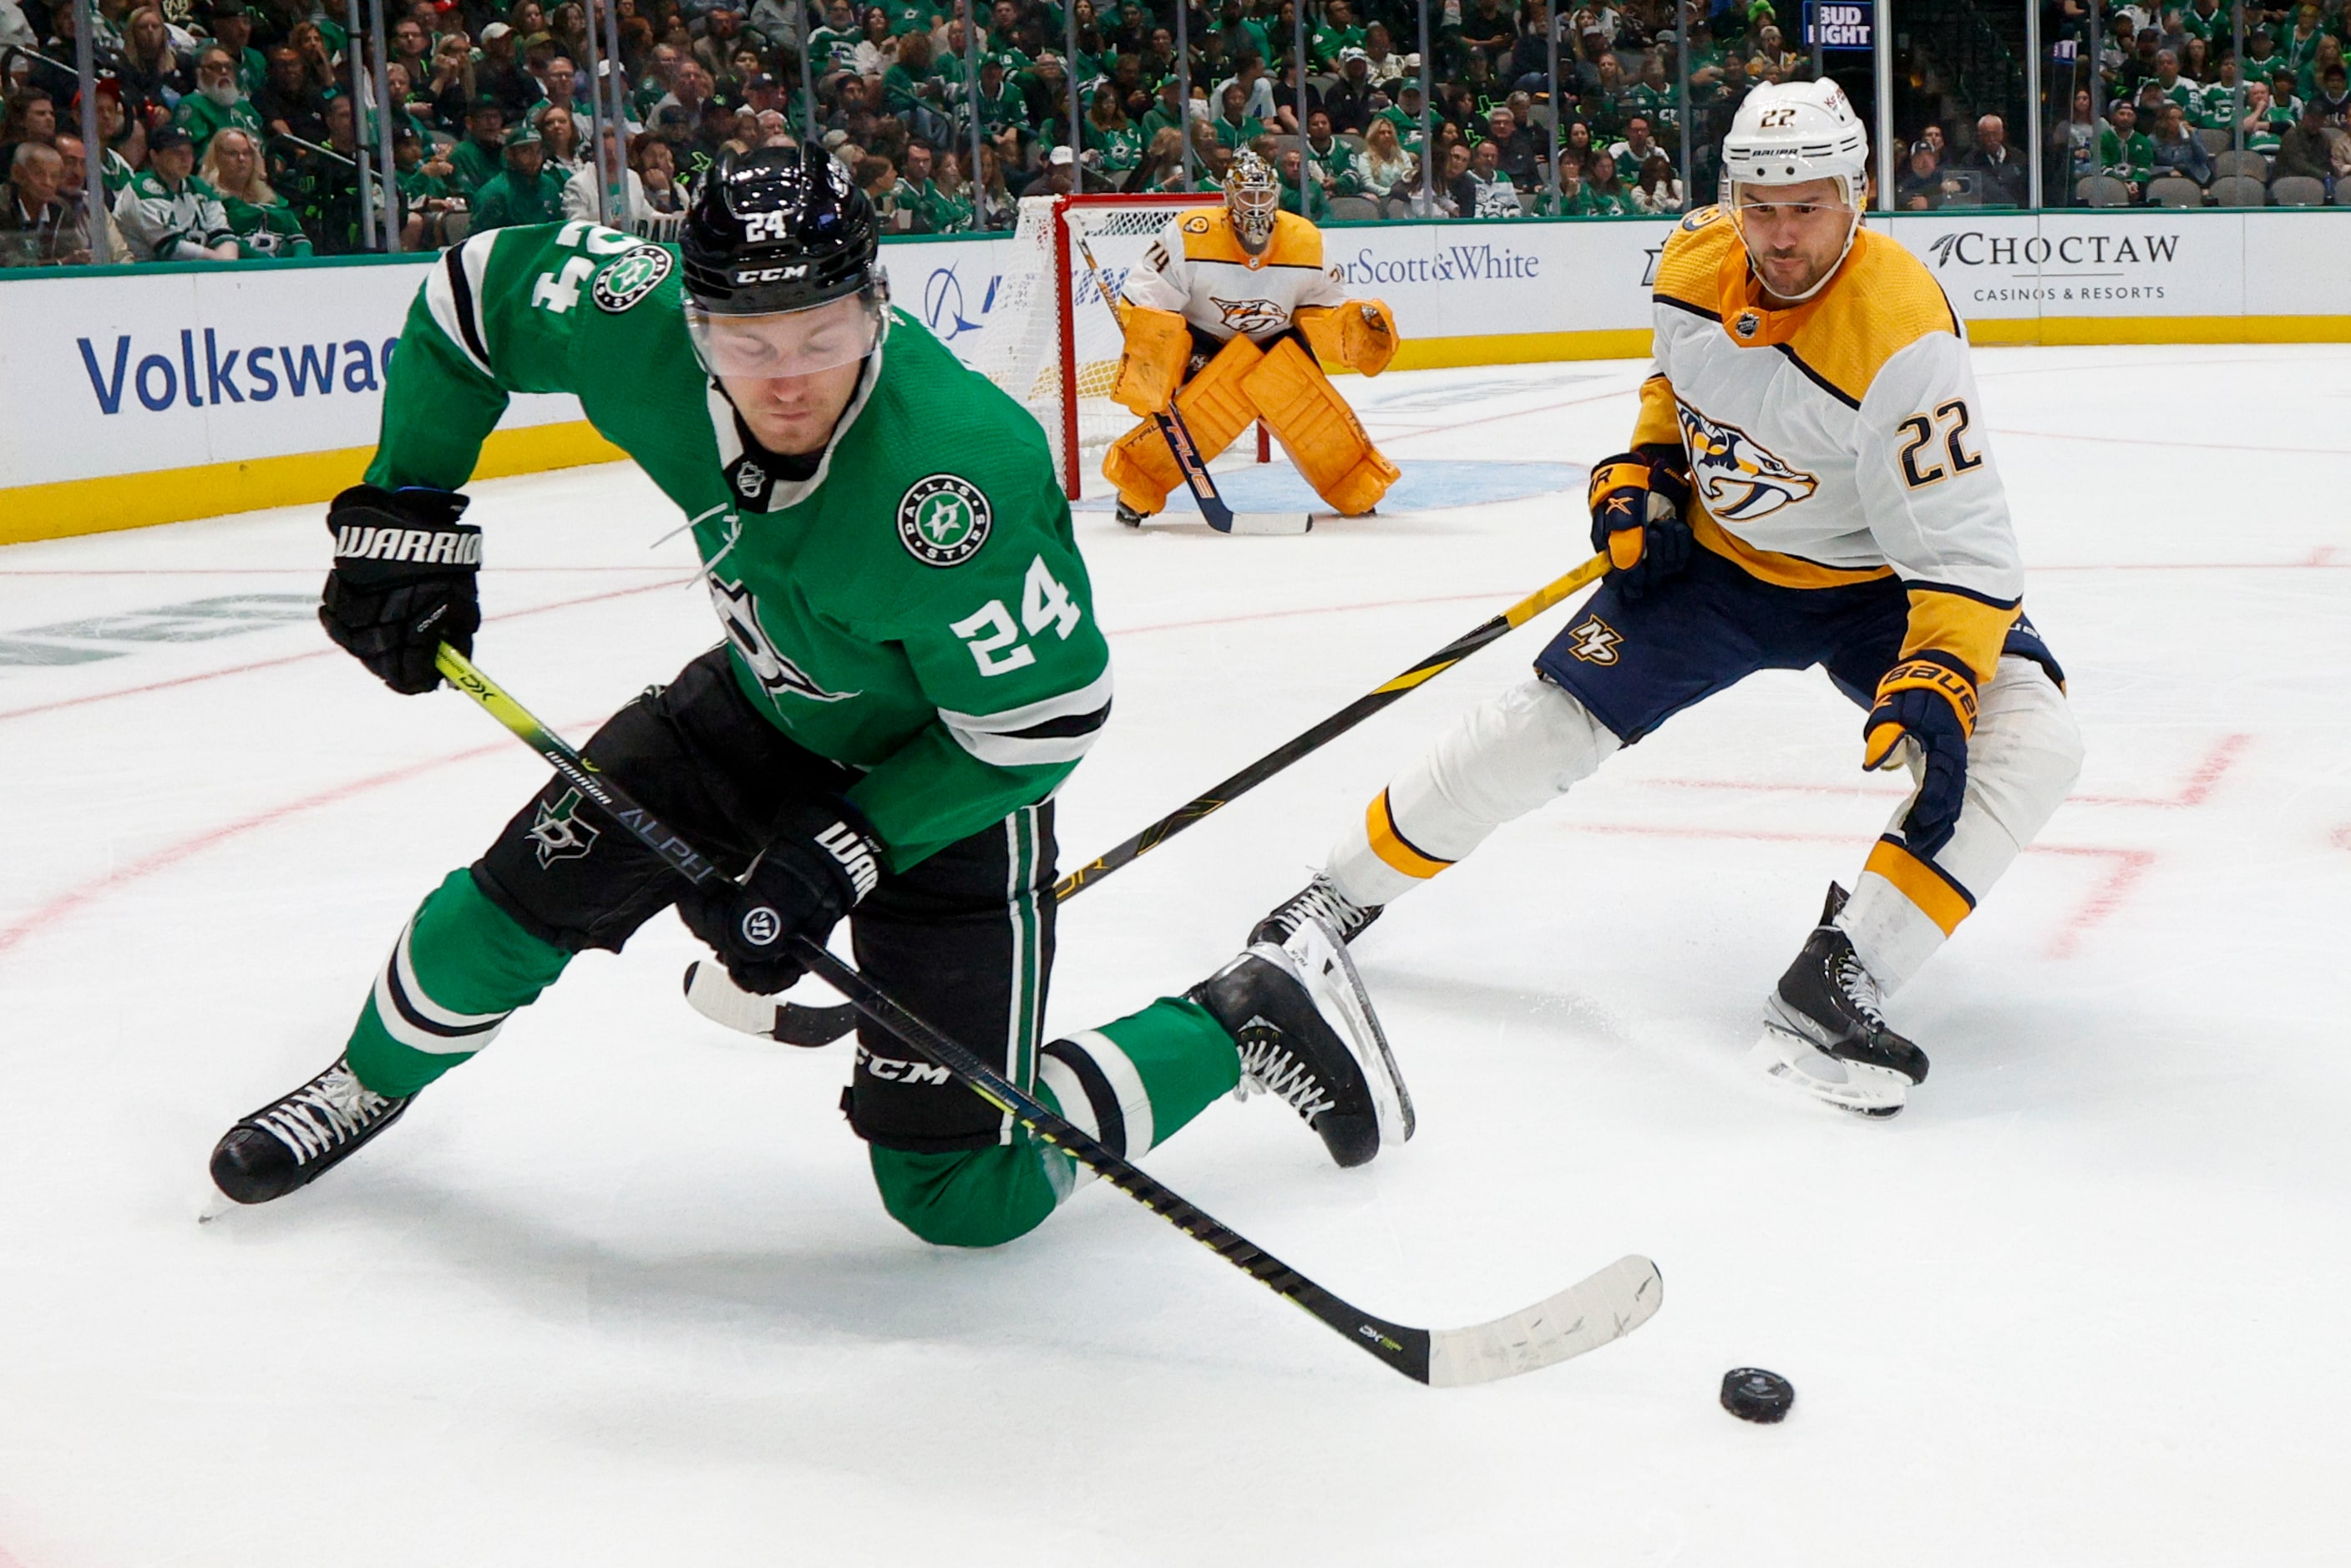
(912, 666)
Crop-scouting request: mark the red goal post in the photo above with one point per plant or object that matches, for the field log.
(1059, 349)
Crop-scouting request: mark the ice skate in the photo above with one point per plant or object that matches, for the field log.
(1308, 1036)
(295, 1139)
(1825, 1032)
(1318, 900)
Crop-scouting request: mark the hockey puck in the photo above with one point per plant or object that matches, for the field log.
(1752, 1394)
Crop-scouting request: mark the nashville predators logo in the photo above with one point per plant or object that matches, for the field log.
(1736, 476)
(1250, 314)
(1596, 641)
(559, 832)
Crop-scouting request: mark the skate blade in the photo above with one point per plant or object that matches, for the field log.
(1323, 963)
(1857, 1087)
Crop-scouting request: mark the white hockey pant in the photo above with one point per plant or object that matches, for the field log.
(1531, 743)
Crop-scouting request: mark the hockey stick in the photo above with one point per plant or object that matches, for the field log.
(1608, 1305)
(1187, 452)
(717, 998)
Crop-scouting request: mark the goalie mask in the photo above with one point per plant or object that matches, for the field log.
(1253, 198)
(1795, 133)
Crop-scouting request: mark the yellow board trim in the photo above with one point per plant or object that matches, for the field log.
(72, 506)
(2091, 330)
(1379, 824)
(1936, 898)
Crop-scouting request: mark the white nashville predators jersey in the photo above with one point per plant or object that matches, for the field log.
(1836, 441)
(1197, 269)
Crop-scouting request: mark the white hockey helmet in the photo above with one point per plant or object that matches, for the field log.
(1791, 134)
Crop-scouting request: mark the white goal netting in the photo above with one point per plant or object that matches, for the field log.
(1055, 346)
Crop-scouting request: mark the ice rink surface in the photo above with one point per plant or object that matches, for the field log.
(620, 1292)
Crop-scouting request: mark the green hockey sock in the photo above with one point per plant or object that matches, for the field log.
(460, 968)
(1129, 1084)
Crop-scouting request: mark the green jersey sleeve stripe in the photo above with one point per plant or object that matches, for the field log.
(1058, 729)
(454, 294)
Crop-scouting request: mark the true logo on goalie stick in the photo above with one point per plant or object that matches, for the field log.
(559, 832)
(1596, 641)
(943, 520)
(636, 275)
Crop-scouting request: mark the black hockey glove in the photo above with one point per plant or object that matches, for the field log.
(821, 862)
(403, 581)
(1929, 699)
(1638, 504)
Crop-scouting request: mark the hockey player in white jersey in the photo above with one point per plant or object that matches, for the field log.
(1811, 482)
(1226, 319)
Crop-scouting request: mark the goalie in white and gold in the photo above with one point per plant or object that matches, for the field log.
(1221, 316)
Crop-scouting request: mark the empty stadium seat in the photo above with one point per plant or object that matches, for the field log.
(2171, 190)
(2240, 190)
(2298, 191)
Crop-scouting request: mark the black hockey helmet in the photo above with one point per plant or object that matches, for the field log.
(774, 230)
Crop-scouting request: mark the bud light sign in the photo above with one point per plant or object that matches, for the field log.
(1844, 24)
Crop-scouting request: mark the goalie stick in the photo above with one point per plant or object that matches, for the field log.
(719, 999)
(1608, 1305)
(1186, 452)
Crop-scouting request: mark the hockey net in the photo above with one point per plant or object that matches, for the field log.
(1054, 347)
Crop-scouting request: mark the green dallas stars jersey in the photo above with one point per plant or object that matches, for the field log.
(915, 607)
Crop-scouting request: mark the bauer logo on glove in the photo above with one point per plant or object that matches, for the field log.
(1638, 500)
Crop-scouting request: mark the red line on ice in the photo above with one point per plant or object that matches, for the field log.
(318, 653)
(67, 903)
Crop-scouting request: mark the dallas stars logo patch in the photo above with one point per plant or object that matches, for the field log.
(943, 520)
(628, 280)
(558, 831)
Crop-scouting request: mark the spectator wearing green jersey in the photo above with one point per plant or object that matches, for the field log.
(2204, 19)
(2301, 42)
(1604, 193)
(1114, 143)
(232, 28)
(217, 102)
(1337, 32)
(2262, 62)
(1234, 126)
(264, 222)
(2266, 120)
(1317, 209)
(1001, 106)
(2216, 105)
(1166, 111)
(525, 191)
(476, 161)
(1633, 151)
(833, 48)
(2123, 152)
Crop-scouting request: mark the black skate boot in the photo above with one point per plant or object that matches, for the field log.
(1318, 900)
(290, 1142)
(1130, 516)
(1825, 1032)
(1307, 1035)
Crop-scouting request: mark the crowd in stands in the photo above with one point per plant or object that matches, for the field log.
(247, 128)
(2157, 109)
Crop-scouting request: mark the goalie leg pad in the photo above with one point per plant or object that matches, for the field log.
(1215, 409)
(2023, 756)
(1151, 366)
(1509, 755)
(1319, 430)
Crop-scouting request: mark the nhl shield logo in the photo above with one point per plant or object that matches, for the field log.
(943, 520)
(628, 280)
(1748, 324)
(558, 831)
